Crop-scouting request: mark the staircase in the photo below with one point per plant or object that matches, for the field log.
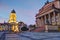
(9, 36)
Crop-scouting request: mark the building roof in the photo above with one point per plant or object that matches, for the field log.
(13, 11)
(45, 8)
(47, 2)
(4, 24)
(20, 22)
(48, 6)
(57, 0)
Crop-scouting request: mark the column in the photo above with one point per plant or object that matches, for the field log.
(42, 22)
(38, 22)
(54, 18)
(45, 19)
(58, 18)
(59, 22)
(46, 26)
(49, 18)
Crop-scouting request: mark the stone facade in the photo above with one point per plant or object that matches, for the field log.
(5, 26)
(48, 15)
(12, 24)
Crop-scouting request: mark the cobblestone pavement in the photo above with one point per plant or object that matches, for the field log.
(39, 36)
(36, 36)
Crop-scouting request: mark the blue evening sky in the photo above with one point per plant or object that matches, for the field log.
(25, 9)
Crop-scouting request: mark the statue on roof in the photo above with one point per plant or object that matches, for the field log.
(47, 2)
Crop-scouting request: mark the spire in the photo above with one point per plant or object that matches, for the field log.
(47, 2)
(13, 11)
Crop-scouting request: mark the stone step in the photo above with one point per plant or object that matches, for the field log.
(11, 37)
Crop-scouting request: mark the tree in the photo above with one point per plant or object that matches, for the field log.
(24, 29)
(32, 26)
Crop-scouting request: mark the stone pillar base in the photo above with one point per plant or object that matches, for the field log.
(46, 28)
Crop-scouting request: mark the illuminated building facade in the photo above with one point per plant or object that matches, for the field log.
(12, 17)
(48, 17)
(12, 24)
(13, 21)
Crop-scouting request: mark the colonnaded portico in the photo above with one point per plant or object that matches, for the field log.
(49, 15)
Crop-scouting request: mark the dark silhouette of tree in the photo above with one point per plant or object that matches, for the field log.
(32, 26)
(24, 29)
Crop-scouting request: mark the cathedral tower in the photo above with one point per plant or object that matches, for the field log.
(12, 17)
(13, 21)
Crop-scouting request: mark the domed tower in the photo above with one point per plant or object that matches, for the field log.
(13, 21)
(12, 17)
